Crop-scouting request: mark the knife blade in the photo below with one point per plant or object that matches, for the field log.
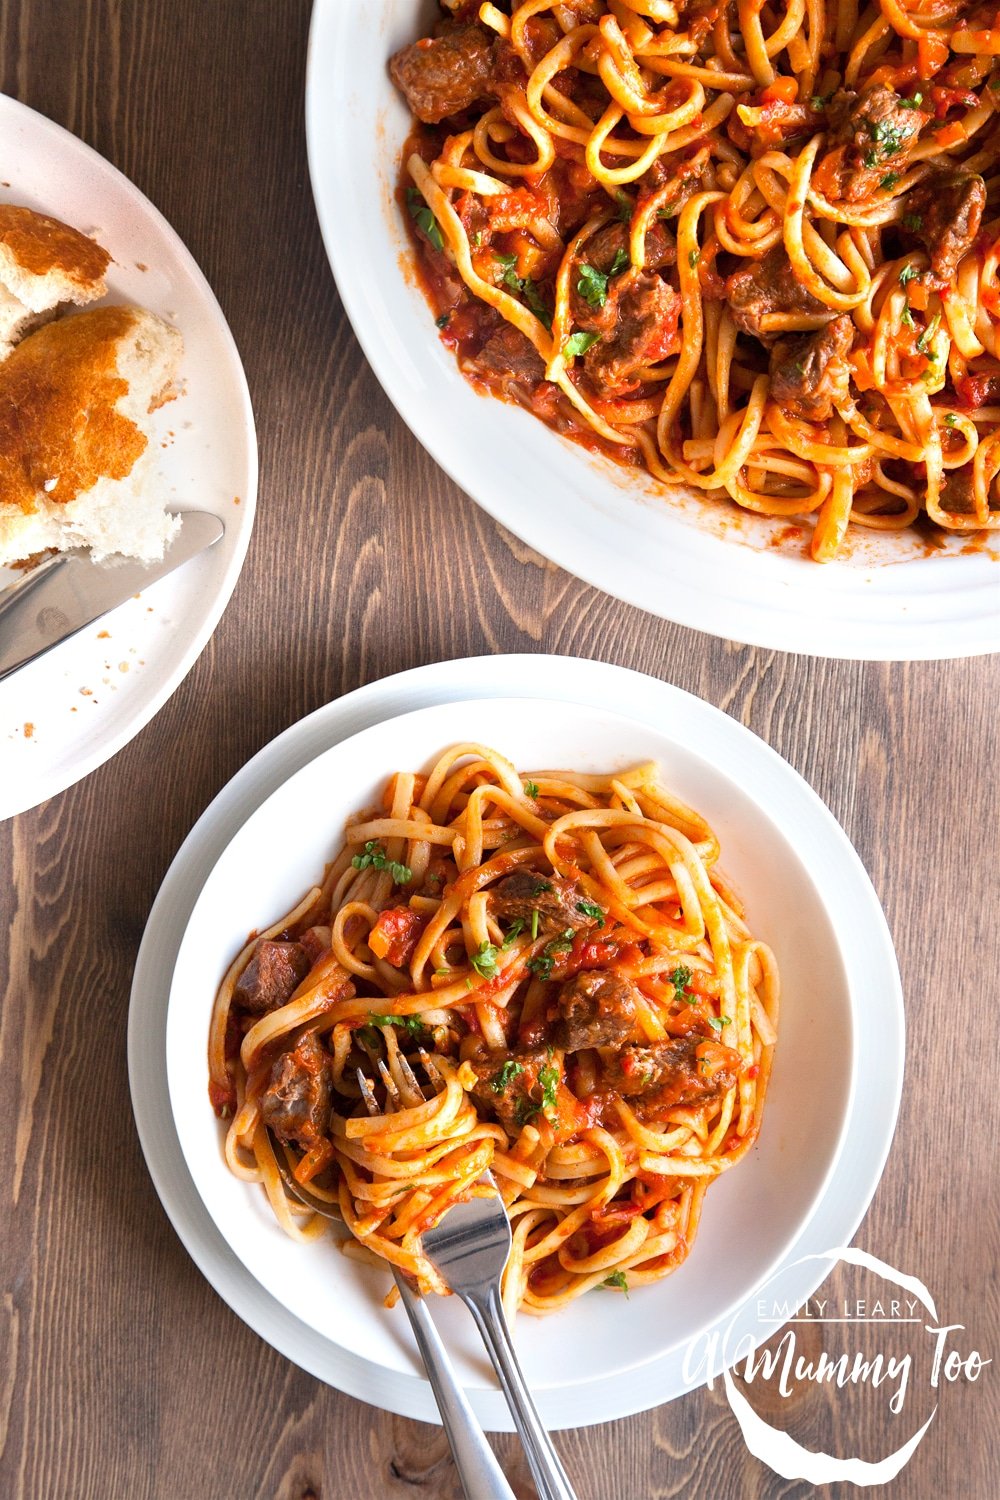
(62, 594)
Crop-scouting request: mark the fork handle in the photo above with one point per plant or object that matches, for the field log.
(551, 1479)
(478, 1469)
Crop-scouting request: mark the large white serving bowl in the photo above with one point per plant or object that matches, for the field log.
(803, 887)
(702, 564)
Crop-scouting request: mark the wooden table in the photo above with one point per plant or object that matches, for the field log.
(123, 1374)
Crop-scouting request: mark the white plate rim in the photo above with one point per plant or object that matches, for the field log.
(300, 788)
(42, 788)
(858, 1167)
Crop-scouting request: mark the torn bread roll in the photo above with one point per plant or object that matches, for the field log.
(75, 431)
(44, 264)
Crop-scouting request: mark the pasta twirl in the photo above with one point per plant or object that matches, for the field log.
(561, 964)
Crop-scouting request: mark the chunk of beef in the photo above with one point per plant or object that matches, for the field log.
(957, 492)
(594, 1009)
(271, 977)
(643, 327)
(556, 901)
(296, 1102)
(444, 75)
(944, 212)
(670, 1074)
(810, 376)
(870, 134)
(517, 1086)
(764, 288)
(509, 356)
(607, 252)
(612, 242)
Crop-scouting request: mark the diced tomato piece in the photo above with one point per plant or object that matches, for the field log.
(782, 88)
(570, 1115)
(944, 99)
(978, 390)
(222, 1100)
(395, 935)
(589, 953)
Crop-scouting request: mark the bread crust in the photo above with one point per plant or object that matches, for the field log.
(74, 401)
(44, 261)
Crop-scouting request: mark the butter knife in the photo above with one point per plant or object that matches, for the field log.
(60, 595)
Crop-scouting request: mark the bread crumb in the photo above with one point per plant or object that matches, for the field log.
(104, 635)
(29, 730)
(123, 666)
(86, 692)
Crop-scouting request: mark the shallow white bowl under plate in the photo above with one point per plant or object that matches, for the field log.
(70, 711)
(805, 889)
(702, 564)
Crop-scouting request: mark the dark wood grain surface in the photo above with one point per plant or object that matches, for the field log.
(122, 1374)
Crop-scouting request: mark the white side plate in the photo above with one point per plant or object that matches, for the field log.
(70, 711)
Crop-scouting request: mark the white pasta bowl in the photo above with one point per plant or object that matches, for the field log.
(806, 894)
(702, 564)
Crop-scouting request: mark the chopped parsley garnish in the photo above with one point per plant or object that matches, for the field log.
(693, 258)
(531, 788)
(549, 1079)
(484, 960)
(592, 910)
(670, 210)
(617, 1281)
(889, 180)
(579, 343)
(534, 924)
(525, 1109)
(542, 964)
(907, 274)
(624, 206)
(717, 1022)
(913, 103)
(411, 1024)
(928, 333)
(504, 1076)
(680, 979)
(376, 856)
(950, 419)
(906, 317)
(516, 928)
(819, 101)
(442, 321)
(593, 284)
(525, 286)
(424, 218)
(913, 221)
(889, 138)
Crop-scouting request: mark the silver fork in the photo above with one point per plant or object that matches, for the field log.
(469, 1248)
(478, 1469)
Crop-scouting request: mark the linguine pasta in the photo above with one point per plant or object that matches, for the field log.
(573, 985)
